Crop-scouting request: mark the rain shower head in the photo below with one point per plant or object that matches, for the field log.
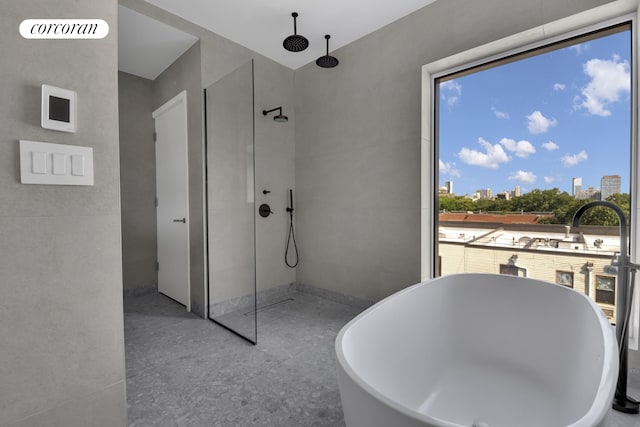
(280, 118)
(295, 42)
(327, 61)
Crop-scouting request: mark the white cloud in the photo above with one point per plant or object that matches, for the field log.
(609, 79)
(550, 146)
(451, 91)
(569, 160)
(548, 179)
(523, 176)
(538, 123)
(491, 158)
(580, 48)
(500, 114)
(559, 86)
(448, 168)
(520, 148)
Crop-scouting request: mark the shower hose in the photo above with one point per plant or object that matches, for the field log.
(292, 235)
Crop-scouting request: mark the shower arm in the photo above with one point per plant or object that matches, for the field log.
(265, 112)
(295, 26)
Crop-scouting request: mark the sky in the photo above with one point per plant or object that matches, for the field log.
(541, 121)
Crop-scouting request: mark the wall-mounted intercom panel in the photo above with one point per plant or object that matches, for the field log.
(59, 109)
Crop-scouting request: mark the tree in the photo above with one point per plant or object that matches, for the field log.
(457, 203)
(553, 200)
(502, 205)
(621, 199)
(564, 213)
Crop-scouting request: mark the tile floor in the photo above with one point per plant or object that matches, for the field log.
(185, 371)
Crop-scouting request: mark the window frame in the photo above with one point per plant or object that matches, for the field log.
(554, 32)
(561, 278)
(599, 291)
(509, 269)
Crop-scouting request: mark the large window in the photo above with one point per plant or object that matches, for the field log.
(521, 142)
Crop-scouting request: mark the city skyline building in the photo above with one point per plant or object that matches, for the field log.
(483, 194)
(609, 185)
(446, 189)
(449, 186)
(516, 192)
(576, 186)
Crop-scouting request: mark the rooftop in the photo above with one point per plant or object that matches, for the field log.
(508, 218)
(549, 238)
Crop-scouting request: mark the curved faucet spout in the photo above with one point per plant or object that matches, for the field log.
(622, 221)
(621, 216)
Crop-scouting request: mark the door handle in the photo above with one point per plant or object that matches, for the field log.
(183, 220)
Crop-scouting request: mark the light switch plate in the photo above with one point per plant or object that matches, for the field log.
(77, 165)
(38, 162)
(59, 164)
(55, 164)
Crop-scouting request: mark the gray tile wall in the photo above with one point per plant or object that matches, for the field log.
(137, 184)
(61, 316)
(358, 141)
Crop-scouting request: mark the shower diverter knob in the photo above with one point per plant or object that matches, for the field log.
(265, 210)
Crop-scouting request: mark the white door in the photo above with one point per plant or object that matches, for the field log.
(172, 199)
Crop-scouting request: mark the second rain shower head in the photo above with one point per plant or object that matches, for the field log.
(280, 118)
(295, 42)
(327, 61)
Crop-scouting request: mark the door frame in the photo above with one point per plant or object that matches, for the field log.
(180, 99)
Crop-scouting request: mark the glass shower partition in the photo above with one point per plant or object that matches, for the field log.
(230, 190)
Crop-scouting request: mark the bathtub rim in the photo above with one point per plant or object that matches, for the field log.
(597, 411)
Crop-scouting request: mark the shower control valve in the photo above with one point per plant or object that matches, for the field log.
(264, 210)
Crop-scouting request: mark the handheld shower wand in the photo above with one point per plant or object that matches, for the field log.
(292, 235)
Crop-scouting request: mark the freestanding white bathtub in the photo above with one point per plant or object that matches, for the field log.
(478, 350)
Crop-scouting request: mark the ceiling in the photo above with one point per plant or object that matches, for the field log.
(259, 25)
(146, 47)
